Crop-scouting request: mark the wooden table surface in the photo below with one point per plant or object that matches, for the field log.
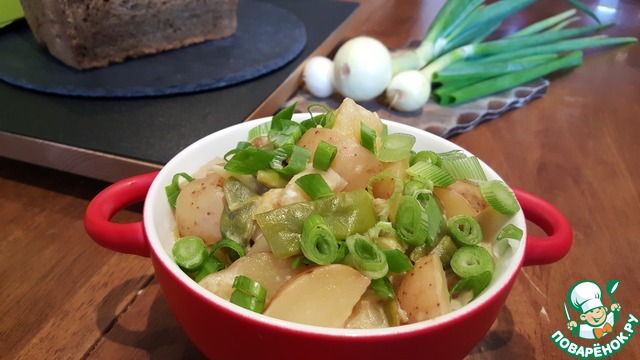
(63, 297)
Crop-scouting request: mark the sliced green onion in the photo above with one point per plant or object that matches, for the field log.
(464, 230)
(278, 121)
(289, 135)
(314, 185)
(445, 250)
(367, 137)
(413, 186)
(475, 266)
(173, 190)
(324, 155)
(427, 156)
(210, 266)
(412, 224)
(318, 243)
(397, 188)
(249, 294)
(237, 194)
(259, 130)
(367, 257)
(239, 147)
(436, 223)
(234, 250)
(248, 161)
(383, 288)
(190, 253)
(398, 261)
(499, 197)
(426, 171)
(396, 147)
(510, 231)
(295, 156)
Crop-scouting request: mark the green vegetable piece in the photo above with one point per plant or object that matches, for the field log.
(475, 283)
(412, 224)
(445, 250)
(272, 179)
(383, 288)
(500, 197)
(367, 137)
(367, 257)
(398, 261)
(344, 213)
(475, 266)
(314, 185)
(237, 194)
(173, 190)
(318, 242)
(324, 155)
(249, 294)
(464, 230)
(190, 253)
(238, 225)
(210, 266)
(248, 161)
(510, 231)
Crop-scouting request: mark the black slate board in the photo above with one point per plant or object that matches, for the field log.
(155, 129)
(267, 38)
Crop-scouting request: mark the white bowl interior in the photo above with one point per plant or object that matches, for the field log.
(160, 224)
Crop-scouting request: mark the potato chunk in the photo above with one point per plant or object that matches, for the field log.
(321, 296)
(461, 198)
(423, 293)
(349, 115)
(264, 268)
(199, 207)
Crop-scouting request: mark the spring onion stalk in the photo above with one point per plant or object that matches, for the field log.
(290, 159)
(413, 186)
(469, 71)
(248, 294)
(464, 230)
(314, 185)
(499, 197)
(510, 232)
(445, 250)
(210, 266)
(259, 131)
(367, 257)
(324, 155)
(426, 155)
(412, 223)
(395, 147)
(233, 249)
(425, 171)
(544, 24)
(398, 261)
(248, 161)
(507, 81)
(565, 23)
(237, 194)
(383, 288)
(173, 190)
(190, 253)
(468, 168)
(318, 243)
(584, 9)
(368, 137)
(475, 266)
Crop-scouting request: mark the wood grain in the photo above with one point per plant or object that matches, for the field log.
(65, 298)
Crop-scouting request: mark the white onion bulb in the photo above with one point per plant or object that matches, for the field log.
(408, 91)
(318, 76)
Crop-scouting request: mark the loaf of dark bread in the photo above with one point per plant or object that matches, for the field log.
(95, 33)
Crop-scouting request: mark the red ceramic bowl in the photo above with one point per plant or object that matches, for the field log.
(222, 330)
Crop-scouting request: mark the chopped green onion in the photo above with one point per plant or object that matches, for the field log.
(426, 171)
(475, 266)
(396, 147)
(324, 155)
(272, 179)
(190, 253)
(445, 250)
(289, 135)
(436, 223)
(499, 197)
(210, 266)
(383, 288)
(427, 156)
(367, 257)
(278, 120)
(413, 186)
(259, 130)
(464, 230)
(249, 294)
(248, 161)
(412, 224)
(367, 137)
(235, 250)
(239, 147)
(237, 194)
(510, 232)
(314, 185)
(173, 190)
(397, 188)
(295, 156)
(398, 261)
(318, 243)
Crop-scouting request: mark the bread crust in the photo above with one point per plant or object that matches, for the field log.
(95, 33)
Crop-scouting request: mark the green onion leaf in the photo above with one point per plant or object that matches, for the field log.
(318, 243)
(510, 232)
(295, 156)
(367, 257)
(279, 120)
(239, 147)
(249, 294)
(190, 253)
(426, 171)
(412, 224)
(324, 155)
(427, 156)
(173, 190)
(468, 168)
(464, 230)
(475, 266)
(395, 147)
(445, 250)
(475, 284)
(499, 197)
(398, 261)
(290, 133)
(411, 187)
(367, 137)
(383, 288)
(314, 185)
(248, 161)
(259, 130)
(234, 250)
(210, 266)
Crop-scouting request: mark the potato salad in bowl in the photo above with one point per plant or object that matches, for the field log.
(335, 221)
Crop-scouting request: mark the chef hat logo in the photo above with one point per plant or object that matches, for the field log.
(585, 296)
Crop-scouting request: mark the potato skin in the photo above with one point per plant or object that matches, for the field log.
(199, 207)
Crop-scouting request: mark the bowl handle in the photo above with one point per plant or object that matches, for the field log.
(544, 250)
(125, 238)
